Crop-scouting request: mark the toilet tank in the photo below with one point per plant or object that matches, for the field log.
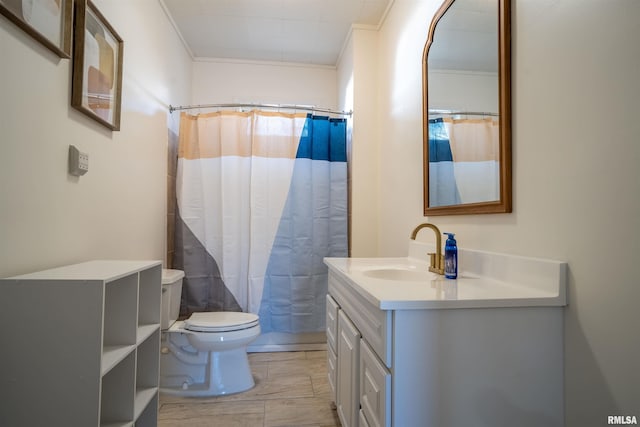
(171, 293)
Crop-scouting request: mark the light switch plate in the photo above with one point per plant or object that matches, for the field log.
(78, 161)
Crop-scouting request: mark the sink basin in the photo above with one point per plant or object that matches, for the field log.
(399, 274)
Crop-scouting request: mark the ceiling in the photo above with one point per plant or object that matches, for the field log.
(297, 31)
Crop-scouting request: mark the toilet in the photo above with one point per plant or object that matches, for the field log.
(206, 354)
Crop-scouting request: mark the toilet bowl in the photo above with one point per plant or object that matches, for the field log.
(206, 354)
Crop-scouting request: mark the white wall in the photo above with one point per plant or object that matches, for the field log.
(401, 42)
(576, 175)
(118, 209)
(227, 81)
(357, 84)
(463, 91)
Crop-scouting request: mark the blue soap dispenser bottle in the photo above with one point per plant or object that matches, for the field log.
(450, 257)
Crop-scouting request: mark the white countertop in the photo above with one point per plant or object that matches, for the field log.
(526, 282)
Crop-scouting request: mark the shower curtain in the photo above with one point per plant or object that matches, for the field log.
(261, 200)
(463, 161)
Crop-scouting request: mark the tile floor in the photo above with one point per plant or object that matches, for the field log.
(291, 390)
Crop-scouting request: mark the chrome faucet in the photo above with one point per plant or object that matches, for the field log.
(437, 259)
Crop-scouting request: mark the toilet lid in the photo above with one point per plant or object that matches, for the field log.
(220, 321)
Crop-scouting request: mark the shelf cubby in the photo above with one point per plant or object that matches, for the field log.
(149, 416)
(118, 390)
(119, 329)
(150, 298)
(147, 368)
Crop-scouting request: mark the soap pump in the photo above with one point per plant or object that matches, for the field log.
(450, 257)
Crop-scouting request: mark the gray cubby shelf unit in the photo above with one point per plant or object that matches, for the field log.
(81, 345)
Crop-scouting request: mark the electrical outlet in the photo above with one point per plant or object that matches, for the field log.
(78, 161)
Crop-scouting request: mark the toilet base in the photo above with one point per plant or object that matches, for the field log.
(219, 373)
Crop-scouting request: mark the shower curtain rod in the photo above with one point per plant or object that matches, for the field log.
(462, 113)
(275, 106)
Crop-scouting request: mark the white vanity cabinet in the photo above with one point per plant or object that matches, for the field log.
(80, 345)
(406, 360)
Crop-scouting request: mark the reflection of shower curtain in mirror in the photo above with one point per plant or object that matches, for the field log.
(472, 174)
(262, 199)
(443, 190)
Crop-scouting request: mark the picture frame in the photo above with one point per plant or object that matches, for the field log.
(47, 21)
(96, 87)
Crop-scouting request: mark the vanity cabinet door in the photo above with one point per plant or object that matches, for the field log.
(332, 333)
(375, 388)
(332, 365)
(348, 396)
(332, 321)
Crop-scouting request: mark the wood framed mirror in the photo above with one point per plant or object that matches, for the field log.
(466, 71)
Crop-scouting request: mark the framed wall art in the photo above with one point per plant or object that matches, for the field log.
(47, 21)
(97, 66)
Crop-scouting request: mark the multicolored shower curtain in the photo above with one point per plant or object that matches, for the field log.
(261, 200)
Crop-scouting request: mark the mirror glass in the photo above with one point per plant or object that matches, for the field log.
(467, 109)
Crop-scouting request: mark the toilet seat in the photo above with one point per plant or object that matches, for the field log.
(220, 321)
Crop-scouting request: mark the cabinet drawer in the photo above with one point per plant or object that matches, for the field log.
(373, 323)
(332, 361)
(375, 388)
(332, 322)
